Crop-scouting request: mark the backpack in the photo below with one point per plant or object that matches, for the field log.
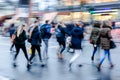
(58, 33)
(45, 30)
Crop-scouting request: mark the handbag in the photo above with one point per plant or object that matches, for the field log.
(112, 44)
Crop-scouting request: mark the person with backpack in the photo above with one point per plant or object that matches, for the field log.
(11, 31)
(60, 36)
(19, 41)
(35, 41)
(94, 38)
(76, 42)
(45, 30)
(105, 39)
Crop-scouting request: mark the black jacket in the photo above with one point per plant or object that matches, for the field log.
(36, 37)
(21, 39)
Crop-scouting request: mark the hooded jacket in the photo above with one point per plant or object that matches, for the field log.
(77, 36)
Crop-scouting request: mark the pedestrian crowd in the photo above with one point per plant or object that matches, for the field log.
(68, 36)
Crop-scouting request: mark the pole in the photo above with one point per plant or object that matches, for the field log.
(30, 12)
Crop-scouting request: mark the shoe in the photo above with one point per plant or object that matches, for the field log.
(92, 58)
(80, 65)
(111, 66)
(70, 64)
(43, 64)
(29, 65)
(99, 67)
(14, 65)
(10, 49)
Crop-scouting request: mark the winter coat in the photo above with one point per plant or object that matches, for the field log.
(36, 37)
(77, 36)
(21, 39)
(94, 38)
(105, 37)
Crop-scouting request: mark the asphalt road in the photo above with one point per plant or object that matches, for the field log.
(57, 69)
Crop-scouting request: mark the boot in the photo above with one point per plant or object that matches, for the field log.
(92, 58)
(99, 67)
(29, 65)
(14, 64)
(111, 66)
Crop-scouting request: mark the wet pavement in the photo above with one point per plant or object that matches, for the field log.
(57, 69)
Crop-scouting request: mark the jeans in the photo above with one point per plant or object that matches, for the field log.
(97, 47)
(106, 53)
(45, 51)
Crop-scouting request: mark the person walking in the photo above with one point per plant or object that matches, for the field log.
(60, 36)
(35, 40)
(76, 41)
(94, 38)
(105, 38)
(19, 41)
(46, 35)
(12, 31)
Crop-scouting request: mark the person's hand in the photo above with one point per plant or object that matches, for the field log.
(95, 45)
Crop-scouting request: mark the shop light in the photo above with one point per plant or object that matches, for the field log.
(98, 11)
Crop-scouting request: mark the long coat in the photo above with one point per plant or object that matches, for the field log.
(105, 37)
(77, 36)
(95, 35)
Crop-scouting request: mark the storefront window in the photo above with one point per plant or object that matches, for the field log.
(74, 16)
(78, 2)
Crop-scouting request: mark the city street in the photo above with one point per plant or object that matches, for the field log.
(57, 69)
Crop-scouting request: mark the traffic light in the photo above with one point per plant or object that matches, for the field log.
(91, 10)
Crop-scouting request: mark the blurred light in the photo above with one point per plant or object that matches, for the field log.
(2, 1)
(104, 11)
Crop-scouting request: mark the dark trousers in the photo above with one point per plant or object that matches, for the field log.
(12, 46)
(18, 47)
(34, 48)
(61, 44)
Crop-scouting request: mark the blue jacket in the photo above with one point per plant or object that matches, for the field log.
(11, 31)
(47, 28)
(61, 34)
(77, 36)
(36, 37)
